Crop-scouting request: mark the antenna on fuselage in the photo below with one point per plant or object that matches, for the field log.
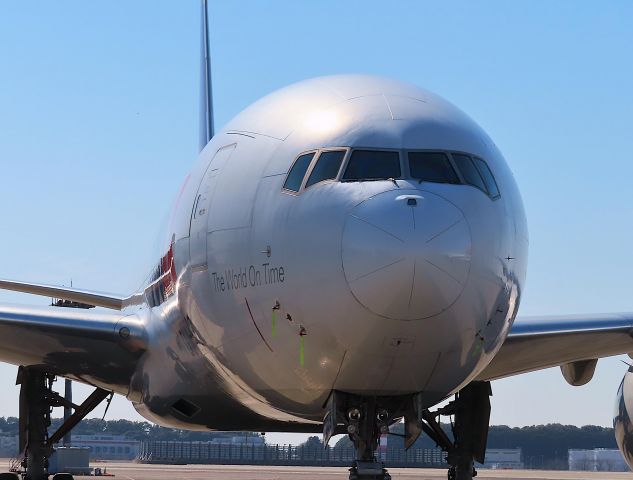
(206, 95)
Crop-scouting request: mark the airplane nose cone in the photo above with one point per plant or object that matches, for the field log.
(406, 254)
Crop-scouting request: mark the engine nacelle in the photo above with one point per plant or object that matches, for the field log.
(623, 414)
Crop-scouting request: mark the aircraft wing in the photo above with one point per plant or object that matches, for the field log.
(97, 348)
(97, 299)
(542, 342)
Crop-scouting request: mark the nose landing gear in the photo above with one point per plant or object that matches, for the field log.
(365, 419)
(365, 425)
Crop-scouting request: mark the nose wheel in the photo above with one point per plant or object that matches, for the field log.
(368, 471)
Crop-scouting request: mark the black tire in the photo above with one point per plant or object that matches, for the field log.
(9, 476)
(63, 476)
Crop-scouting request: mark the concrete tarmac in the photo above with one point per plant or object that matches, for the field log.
(137, 471)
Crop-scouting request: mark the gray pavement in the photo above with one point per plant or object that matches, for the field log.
(135, 471)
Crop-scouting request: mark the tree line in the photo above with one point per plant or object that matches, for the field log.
(543, 446)
(132, 430)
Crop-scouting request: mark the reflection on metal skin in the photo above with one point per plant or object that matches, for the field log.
(579, 373)
(622, 425)
(398, 271)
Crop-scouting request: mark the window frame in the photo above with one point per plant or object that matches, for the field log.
(494, 179)
(405, 171)
(433, 150)
(337, 178)
(461, 177)
(399, 151)
(288, 191)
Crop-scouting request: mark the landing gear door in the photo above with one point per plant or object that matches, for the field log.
(200, 215)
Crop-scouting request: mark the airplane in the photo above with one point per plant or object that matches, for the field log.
(347, 253)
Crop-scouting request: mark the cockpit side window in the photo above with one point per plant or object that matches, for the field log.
(326, 167)
(432, 167)
(488, 178)
(297, 172)
(372, 165)
(469, 172)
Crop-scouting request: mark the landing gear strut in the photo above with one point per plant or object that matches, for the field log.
(471, 409)
(37, 399)
(35, 419)
(365, 420)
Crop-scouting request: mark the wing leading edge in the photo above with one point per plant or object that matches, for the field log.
(97, 348)
(535, 343)
(98, 299)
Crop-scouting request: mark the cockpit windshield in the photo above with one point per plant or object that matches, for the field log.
(362, 165)
(432, 167)
(297, 172)
(326, 167)
(372, 165)
(469, 171)
(489, 179)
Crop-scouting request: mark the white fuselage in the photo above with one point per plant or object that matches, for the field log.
(273, 298)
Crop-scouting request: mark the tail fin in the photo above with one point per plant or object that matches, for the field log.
(206, 94)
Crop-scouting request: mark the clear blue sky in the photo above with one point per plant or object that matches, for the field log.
(98, 125)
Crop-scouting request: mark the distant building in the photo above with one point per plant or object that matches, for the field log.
(74, 460)
(108, 447)
(503, 459)
(597, 460)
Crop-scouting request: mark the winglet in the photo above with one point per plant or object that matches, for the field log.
(98, 299)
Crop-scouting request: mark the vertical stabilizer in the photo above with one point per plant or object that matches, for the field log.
(206, 95)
